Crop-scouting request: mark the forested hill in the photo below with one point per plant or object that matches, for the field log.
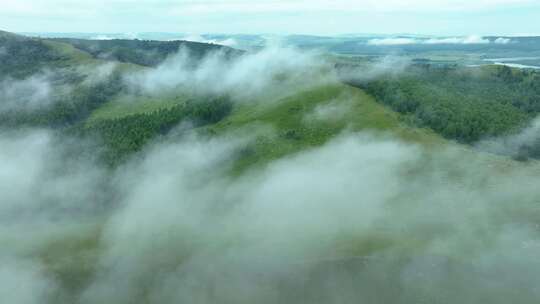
(144, 52)
(60, 82)
(70, 84)
(466, 104)
(22, 56)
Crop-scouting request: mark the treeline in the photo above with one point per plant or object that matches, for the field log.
(124, 136)
(463, 104)
(144, 52)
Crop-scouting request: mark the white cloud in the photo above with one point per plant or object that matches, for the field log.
(273, 69)
(185, 231)
(102, 37)
(393, 41)
(23, 282)
(515, 145)
(502, 40)
(32, 93)
(448, 40)
(362, 208)
(198, 38)
(458, 40)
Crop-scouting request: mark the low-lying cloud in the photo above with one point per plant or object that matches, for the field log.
(24, 282)
(198, 38)
(520, 145)
(388, 65)
(272, 69)
(32, 93)
(44, 89)
(433, 41)
(502, 40)
(339, 223)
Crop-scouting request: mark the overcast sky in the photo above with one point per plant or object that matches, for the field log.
(439, 17)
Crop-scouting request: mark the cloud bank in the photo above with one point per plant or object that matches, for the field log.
(433, 41)
(273, 69)
(343, 222)
(29, 94)
(198, 38)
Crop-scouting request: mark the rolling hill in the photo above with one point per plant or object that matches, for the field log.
(145, 177)
(125, 121)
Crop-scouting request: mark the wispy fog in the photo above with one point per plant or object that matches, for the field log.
(198, 38)
(447, 40)
(388, 65)
(365, 216)
(28, 94)
(48, 87)
(270, 70)
(517, 145)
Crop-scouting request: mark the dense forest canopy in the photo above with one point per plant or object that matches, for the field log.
(21, 56)
(466, 104)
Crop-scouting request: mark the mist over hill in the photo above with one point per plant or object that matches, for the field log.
(472, 49)
(145, 171)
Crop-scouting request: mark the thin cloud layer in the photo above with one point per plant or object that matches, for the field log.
(363, 212)
(450, 40)
(29, 94)
(503, 40)
(273, 69)
(198, 38)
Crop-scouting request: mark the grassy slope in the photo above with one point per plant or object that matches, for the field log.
(288, 126)
(73, 55)
(125, 105)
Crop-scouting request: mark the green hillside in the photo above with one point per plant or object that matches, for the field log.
(464, 104)
(144, 52)
(311, 118)
(336, 178)
(72, 68)
(22, 56)
(283, 126)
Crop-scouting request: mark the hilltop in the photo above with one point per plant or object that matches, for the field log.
(127, 119)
